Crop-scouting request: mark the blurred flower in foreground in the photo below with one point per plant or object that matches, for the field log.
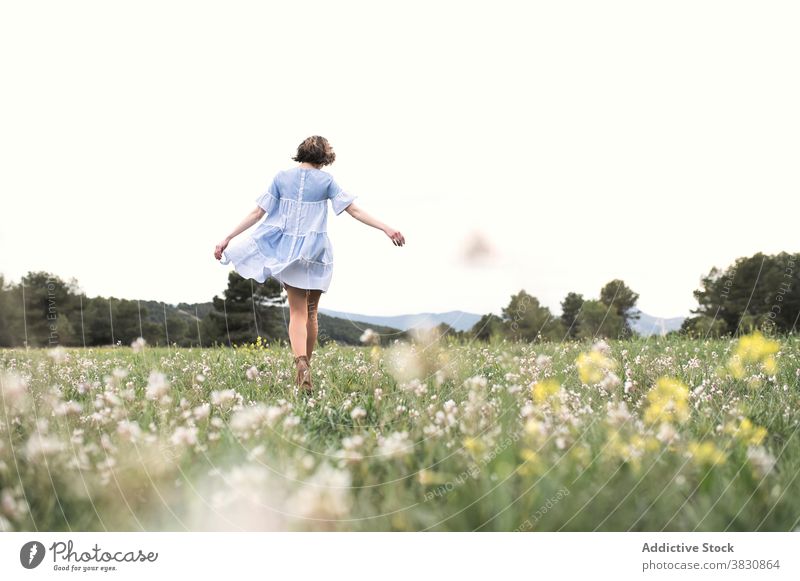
(474, 446)
(544, 389)
(14, 391)
(138, 345)
(430, 478)
(370, 337)
(761, 460)
(594, 366)
(375, 354)
(58, 354)
(157, 386)
(323, 497)
(747, 432)
(667, 402)
(706, 453)
(244, 498)
(404, 362)
(395, 445)
(754, 349)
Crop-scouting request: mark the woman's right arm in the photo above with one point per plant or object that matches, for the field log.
(394, 235)
(251, 218)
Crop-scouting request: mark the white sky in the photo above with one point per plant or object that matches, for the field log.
(586, 141)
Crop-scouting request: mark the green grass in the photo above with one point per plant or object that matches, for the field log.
(493, 459)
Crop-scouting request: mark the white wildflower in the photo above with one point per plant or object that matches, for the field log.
(325, 496)
(68, 408)
(762, 461)
(14, 391)
(58, 354)
(223, 398)
(618, 412)
(667, 433)
(129, 430)
(370, 337)
(184, 436)
(248, 422)
(202, 411)
(41, 446)
(138, 344)
(157, 386)
(477, 382)
(601, 346)
(395, 445)
(610, 381)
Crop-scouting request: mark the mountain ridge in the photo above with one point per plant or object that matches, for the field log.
(463, 321)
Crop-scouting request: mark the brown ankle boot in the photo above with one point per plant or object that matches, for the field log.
(303, 373)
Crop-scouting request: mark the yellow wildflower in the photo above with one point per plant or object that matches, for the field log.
(544, 389)
(630, 451)
(754, 349)
(747, 432)
(706, 453)
(652, 445)
(531, 463)
(593, 366)
(429, 477)
(581, 454)
(473, 445)
(667, 401)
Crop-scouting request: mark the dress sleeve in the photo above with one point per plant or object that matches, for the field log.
(340, 199)
(270, 199)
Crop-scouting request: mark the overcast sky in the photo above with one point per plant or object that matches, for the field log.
(579, 141)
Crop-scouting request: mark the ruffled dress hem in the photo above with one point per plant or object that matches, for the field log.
(250, 262)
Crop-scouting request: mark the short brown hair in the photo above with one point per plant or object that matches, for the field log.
(316, 150)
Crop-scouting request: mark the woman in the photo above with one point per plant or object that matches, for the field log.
(292, 244)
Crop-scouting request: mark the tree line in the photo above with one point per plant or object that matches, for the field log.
(43, 310)
(757, 292)
(760, 292)
(611, 315)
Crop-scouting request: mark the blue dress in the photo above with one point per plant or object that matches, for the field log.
(291, 244)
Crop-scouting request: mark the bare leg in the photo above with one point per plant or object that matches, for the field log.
(311, 326)
(298, 319)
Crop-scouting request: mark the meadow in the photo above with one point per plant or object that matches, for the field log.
(660, 433)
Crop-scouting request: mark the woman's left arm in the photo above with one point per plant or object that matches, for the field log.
(248, 221)
(356, 212)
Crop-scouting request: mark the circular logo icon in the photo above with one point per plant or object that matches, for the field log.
(31, 554)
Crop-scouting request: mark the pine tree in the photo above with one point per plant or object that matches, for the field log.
(247, 310)
(570, 308)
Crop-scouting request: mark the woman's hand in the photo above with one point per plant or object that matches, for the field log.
(254, 216)
(220, 248)
(395, 236)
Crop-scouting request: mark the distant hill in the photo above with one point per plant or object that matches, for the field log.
(462, 321)
(458, 320)
(648, 325)
(348, 327)
(340, 329)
